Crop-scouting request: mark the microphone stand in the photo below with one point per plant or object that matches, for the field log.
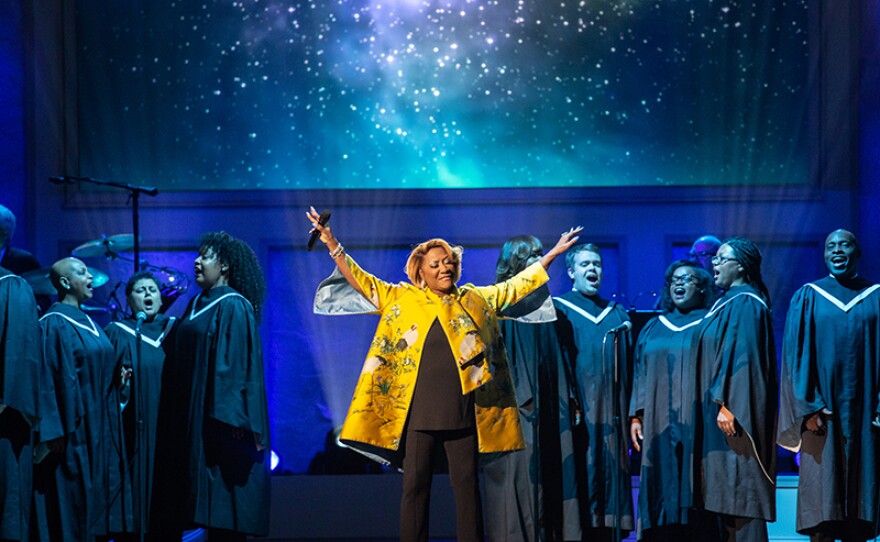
(616, 530)
(622, 298)
(617, 437)
(134, 193)
(114, 304)
(140, 446)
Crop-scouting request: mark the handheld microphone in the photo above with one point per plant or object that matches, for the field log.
(622, 327)
(322, 220)
(141, 316)
(63, 179)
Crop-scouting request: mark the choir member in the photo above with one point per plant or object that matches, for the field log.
(19, 401)
(664, 392)
(830, 400)
(531, 494)
(212, 457)
(71, 482)
(13, 259)
(703, 250)
(139, 353)
(595, 338)
(735, 452)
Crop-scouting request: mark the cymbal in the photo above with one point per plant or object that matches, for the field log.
(99, 278)
(90, 305)
(41, 284)
(39, 281)
(105, 246)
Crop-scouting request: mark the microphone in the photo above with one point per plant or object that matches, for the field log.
(622, 327)
(322, 220)
(63, 179)
(141, 316)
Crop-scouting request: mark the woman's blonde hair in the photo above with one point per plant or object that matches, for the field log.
(414, 262)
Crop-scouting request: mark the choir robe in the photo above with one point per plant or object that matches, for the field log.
(213, 389)
(79, 402)
(831, 362)
(583, 327)
(146, 379)
(664, 393)
(19, 402)
(531, 494)
(736, 475)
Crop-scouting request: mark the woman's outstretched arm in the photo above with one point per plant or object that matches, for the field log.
(337, 251)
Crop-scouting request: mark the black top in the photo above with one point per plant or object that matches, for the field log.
(437, 402)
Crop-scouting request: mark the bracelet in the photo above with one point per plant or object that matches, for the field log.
(338, 251)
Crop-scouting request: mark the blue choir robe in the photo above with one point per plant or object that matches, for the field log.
(19, 402)
(583, 326)
(213, 392)
(664, 394)
(831, 363)
(72, 489)
(532, 494)
(736, 475)
(146, 363)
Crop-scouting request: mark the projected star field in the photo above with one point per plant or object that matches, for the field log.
(266, 94)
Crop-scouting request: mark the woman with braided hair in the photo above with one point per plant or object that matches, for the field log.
(214, 455)
(735, 452)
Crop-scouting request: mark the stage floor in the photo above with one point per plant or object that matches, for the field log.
(364, 508)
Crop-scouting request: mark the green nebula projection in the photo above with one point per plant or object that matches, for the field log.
(268, 94)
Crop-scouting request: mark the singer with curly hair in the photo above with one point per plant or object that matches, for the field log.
(213, 447)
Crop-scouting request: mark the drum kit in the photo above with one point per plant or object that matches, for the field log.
(173, 283)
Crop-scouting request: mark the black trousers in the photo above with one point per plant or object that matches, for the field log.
(418, 472)
(848, 530)
(740, 529)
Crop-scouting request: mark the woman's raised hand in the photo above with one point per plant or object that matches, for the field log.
(566, 240)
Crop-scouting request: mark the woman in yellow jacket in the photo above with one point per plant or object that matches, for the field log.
(436, 373)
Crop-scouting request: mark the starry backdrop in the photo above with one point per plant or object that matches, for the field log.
(388, 94)
(270, 94)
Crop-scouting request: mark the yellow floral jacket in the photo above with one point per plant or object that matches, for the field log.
(381, 401)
